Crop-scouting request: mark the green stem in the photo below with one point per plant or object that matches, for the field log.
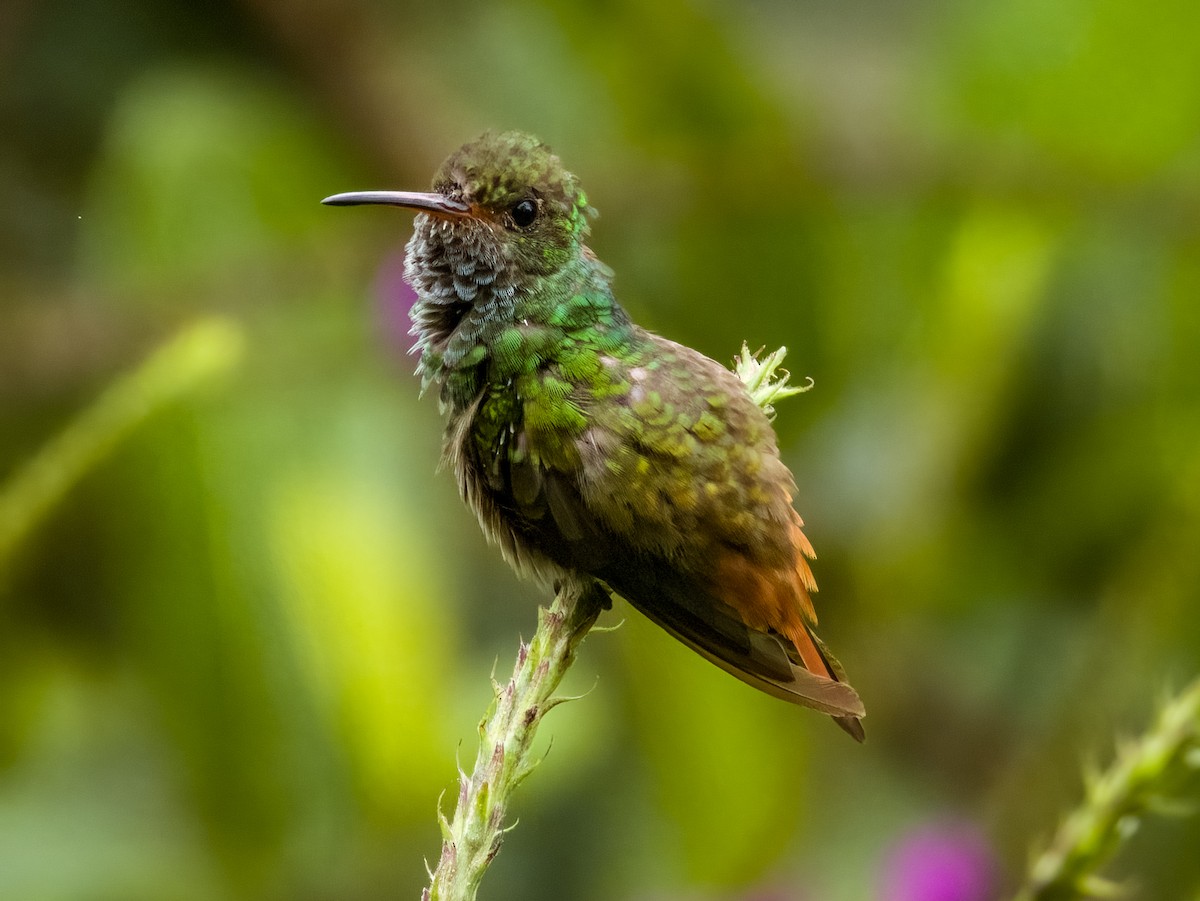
(192, 358)
(472, 838)
(1142, 780)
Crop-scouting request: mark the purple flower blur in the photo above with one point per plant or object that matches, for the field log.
(394, 298)
(945, 862)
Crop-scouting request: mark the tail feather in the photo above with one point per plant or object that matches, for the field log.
(818, 659)
(789, 663)
(852, 726)
(760, 659)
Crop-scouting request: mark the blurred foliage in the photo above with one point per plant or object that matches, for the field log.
(1154, 775)
(238, 653)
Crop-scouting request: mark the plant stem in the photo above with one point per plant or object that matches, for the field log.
(1143, 779)
(472, 838)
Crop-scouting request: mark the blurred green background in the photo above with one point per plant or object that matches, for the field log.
(239, 652)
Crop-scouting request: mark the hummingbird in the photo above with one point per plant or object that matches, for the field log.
(592, 450)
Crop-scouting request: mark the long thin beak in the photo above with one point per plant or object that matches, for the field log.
(438, 204)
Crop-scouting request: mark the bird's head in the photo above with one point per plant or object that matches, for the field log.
(502, 210)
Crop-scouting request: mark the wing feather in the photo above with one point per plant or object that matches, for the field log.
(675, 496)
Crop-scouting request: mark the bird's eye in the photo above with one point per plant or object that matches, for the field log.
(523, 213)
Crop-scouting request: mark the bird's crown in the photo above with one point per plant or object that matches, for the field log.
(496, 173)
